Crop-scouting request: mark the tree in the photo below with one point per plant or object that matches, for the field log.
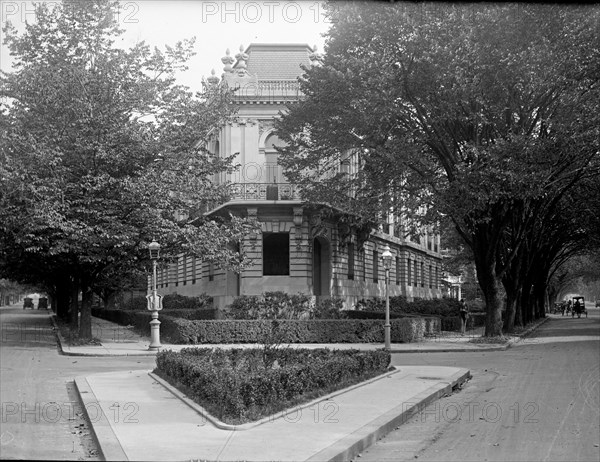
(101, 152)
(477, 112)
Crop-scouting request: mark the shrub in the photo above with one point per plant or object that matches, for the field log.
(235, 385)
(272, 305)
(135, 303)
(329, 308)
(244, 307)
(279, 305)
(181, 302)
(371, 304)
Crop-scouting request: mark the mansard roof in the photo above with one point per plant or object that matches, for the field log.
(276, 61)
(266, 72)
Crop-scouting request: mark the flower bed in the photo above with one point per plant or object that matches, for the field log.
(239, 386)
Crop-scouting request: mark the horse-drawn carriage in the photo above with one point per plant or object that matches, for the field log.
(578, 307)
(28, 303)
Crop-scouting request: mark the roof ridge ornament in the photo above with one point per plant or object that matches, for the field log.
(228, 61)
(242, 57)
(213, 79)
(315, 58)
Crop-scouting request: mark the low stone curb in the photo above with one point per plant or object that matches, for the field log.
(349, 447)
(100, 429)
(60, 341)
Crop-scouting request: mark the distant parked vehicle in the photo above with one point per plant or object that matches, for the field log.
(597, 303)
(28, 303)
(42, 303)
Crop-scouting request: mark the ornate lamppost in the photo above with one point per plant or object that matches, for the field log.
(154, 299)
(387, 264)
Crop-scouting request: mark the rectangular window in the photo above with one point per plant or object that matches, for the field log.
(194, 269)
(397, 271)
(430, 277)
(185, 267)
(408, 278)
(276, 254)
(375, 267)
(422, 274)
(364, 264)
(416, 281)
(351, 261)
(211, 271)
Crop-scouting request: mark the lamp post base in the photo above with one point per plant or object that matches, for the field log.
(154, 333)
(387, 335)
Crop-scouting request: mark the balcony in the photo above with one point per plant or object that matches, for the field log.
(249, 88)
(263, 192)
(253, 192)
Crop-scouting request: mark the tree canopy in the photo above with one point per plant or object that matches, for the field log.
(484, 114)
(102, 151)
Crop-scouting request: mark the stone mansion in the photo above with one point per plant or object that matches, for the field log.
(298, 250)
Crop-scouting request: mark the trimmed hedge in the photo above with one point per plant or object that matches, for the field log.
(183, 331)
(171, 302)
(240, 385)
(399, 304)
(178, 330)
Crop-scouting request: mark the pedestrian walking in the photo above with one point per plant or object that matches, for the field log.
(464, 314)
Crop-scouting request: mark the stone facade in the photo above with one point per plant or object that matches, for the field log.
(297, 249)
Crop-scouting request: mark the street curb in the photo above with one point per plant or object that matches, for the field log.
(529, 331)
(106, 441)
(348, 447)
(454, 350)
(59, 338)
(61, 341)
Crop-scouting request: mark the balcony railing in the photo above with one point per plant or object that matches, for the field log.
(257, 192)
(264, 192)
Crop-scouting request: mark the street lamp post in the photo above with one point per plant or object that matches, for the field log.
(154, 300)
(387, 264)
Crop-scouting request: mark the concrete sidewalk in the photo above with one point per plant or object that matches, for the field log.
(136, 416)
(118, 340)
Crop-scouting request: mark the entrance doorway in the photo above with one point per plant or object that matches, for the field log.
(321, 267)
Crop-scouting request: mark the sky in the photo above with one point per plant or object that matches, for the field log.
(217, 25)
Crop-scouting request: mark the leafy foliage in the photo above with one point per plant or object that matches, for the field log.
(484, 115)
(102, 152)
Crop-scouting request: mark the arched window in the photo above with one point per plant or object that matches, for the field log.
(273, 171)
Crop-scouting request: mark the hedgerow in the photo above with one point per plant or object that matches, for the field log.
(238, 386)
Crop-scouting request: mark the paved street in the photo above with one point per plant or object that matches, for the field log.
(40, 416)
(537, 401)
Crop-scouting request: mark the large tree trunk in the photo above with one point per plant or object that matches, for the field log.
(519, 308)
(74, 305)
(62, 299)
(491, 285)
(511, 312)
(85, 323)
